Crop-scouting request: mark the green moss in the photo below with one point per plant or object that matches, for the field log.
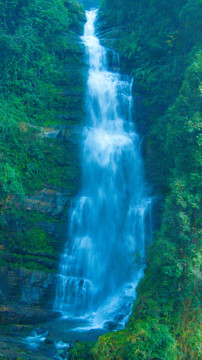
(81, 351)
(23, 243)
(145, 341)
(62, 165)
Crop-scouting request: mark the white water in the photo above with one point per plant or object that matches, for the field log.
(36, 338)
(109, 221)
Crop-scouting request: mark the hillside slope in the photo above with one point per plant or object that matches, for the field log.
(42, 84)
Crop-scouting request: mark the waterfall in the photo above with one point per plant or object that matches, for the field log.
(109, 220)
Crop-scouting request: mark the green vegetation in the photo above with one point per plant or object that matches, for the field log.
(38, 42)
(159, 45)
(41, 85)
(81, 351)
(41, 90)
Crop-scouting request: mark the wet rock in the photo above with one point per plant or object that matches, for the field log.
(48, 201)
(7, 315)
(63, 133)
(48, 341)
(35, 285)
(53, 228)
(40, 331)
(30, 315)
(71, 134)
(28, 287)
(94, 334)
(119, 318)
(25, 315)
(17, 329)
(110, 325)
(49, 132)
(2, 296)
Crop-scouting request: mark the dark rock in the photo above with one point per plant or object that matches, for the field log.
(25, 315)
(28, 315)
(119, 318)
(48, 201)
(28, 287)
(94, 334)
(40, 331)
(48, 341)
(110, 325)
(49, 132)
(54, 229)
(71, 134)
(17, 329)
(8, 315)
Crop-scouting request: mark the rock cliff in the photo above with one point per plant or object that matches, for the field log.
(33, 226)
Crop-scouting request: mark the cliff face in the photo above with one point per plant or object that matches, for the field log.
(42, 86)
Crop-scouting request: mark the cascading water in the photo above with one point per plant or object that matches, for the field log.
(109, 220)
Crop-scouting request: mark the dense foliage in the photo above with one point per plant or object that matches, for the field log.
(41, 87)
(33, 46)
(159, 45)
